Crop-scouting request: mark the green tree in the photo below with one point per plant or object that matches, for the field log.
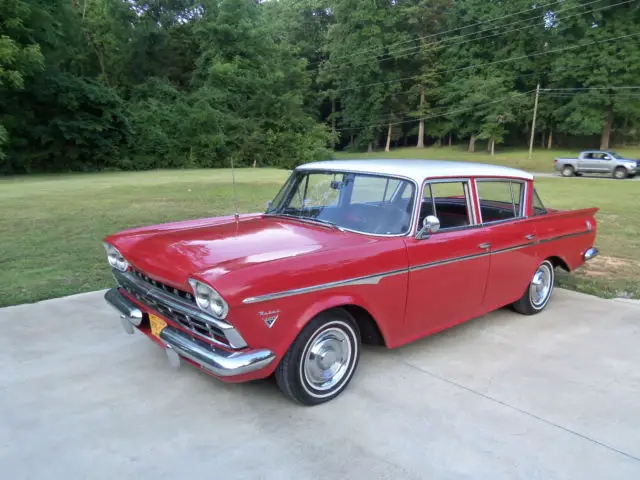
(593, 107)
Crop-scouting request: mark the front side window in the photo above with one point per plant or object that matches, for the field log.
(372, 204)
(449, 201)
(500, 199)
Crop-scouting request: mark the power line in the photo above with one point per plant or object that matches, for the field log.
(456, 29)
(622, 87)
(383, 121)
(512, 59)
(410, 50)
(444, 114)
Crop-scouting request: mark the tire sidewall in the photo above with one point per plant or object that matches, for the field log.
(553, 281)
(353, 339)
(620, 173)
(567, 171)
(291, 369)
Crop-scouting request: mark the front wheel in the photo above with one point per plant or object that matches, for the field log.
(620, 173)
(568, 171)
(538, 293)
(321, 360)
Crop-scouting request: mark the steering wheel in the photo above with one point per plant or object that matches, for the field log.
(391, 220)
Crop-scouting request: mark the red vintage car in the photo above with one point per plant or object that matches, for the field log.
(348, 252)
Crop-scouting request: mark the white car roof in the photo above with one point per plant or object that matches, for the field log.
(418, 170)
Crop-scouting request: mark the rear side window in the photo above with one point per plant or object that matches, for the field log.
(500, 199)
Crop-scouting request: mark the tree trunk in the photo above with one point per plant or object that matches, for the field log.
(370, 147)
(472, 144)
(421, 124)
(606, 130)
(333, 122)
(493, 145)
(450, 138)
(550, 140)
(351, 140)
(387, 147)
(405, 141)
(544, 138)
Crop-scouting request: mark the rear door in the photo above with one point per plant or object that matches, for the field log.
(502, 205)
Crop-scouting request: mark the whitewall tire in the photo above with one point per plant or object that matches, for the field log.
(321, 360)
(539, 291)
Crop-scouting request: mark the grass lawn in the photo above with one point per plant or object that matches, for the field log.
(51, 227)
(541, 161)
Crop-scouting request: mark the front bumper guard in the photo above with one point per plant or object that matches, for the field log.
(217, 361)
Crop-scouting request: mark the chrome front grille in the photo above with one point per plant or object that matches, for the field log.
(178, 309)
(180, 293)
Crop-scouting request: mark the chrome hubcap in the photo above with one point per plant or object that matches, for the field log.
(327, 359)
(541, 286)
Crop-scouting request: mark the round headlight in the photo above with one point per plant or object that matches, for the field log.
(115, 259)
(208, 299)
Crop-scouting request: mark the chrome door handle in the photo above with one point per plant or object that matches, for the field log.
(531, 236)
(484, 245)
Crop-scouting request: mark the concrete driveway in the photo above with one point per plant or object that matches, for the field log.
(505, 396)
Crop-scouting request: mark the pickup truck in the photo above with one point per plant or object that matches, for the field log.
(597, 161)
(349, 252)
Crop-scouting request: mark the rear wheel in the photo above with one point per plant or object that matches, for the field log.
(539, 291)
(620, 173)
(568, 171)
(321, 360)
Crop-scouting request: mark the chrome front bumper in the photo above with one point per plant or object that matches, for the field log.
(217, 361)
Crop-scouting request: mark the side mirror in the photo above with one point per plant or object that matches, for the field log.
(430, 225)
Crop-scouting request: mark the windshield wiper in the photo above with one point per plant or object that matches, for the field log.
(310, 219)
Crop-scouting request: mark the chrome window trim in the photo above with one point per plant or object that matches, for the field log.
(469, 200)
(374, 279)
(357, 172)
(523, 198)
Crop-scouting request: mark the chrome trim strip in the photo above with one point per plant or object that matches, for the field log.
(366, 280)
(375, 278)
(215, 360)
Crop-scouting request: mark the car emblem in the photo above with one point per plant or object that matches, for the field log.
(269, 318)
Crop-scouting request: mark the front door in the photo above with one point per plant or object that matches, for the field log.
(447, 270)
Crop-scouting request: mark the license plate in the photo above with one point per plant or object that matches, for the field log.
(157, 325)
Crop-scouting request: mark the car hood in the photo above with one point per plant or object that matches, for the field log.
(207, 249)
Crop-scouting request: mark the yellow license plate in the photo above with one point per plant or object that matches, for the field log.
(157, 325)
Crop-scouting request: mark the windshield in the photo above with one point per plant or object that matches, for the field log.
(615, 155)
(360, 202)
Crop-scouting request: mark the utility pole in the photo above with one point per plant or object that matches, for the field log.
(533, 123)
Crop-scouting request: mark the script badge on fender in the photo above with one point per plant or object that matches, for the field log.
(270, 317)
